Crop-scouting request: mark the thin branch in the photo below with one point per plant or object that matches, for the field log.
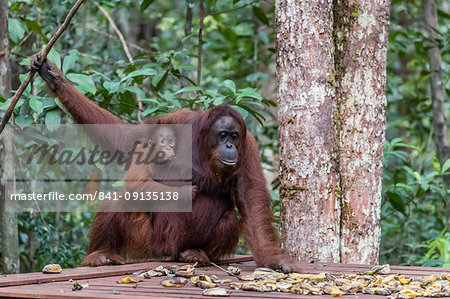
(15, 54)
(200, 41)
(213, 13)
(23, 40)
(93, 57)
(224, 270)
(131, 45)
(30, 76)
(125, 48)
(189, 14)
(187, 41)
(116, 29)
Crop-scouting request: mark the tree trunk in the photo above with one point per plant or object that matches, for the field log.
(331, 70)
(437, 90)
(309, 202)
(360, 35)
(8, 220)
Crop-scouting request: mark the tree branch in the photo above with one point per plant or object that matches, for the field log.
(30, 76)
(131, 45)
(125, 48)
(200, 41)
(116, 29)
(23, 40)
(213, 13)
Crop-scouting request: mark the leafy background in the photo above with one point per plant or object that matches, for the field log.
(238, 69)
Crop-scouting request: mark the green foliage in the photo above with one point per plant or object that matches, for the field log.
(236, 45)
(438, 253)
(414, 205)
(414, 196)
(53, 238)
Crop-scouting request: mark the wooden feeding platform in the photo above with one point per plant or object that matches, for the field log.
(102, 281)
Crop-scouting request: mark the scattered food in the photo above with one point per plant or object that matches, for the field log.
(204, 277)
(79, 287)
(216, 292)
(162, 270)
(206, 285)
(377, 281)
(156, 272)
(139, 272)
(382, 270)
(150, 274)
(52, 269)
(183, 271)
(234, 271)
(127, 280)
(176, 282)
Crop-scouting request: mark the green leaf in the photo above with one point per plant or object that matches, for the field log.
(25, 62)
(145, 4)
(219, 100)
(436, 165)
(189, 89)
(54, 57)
(257, 76)
(84, 82)
(98, 74)
(16, 30)
(258, 116)
(141, 72)
(445, 167)
(260, 15)
(36, 104)
(396, 201)
(111, 87)
(159, 80)
(23, 121)
(149, 100)
(443, 14)
(151, 111)
(136, 90)
(128, 99)
(53, 117)
(187, 67)
(230, 85)
(69, 60)
(248, 93)
(5, 105)
(33, 25)
(263, 37)
(243, 112)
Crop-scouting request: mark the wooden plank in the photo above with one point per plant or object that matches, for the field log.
(102, 280)
(101, 288)
(91, 272)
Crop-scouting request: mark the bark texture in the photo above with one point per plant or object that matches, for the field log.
(8, 220)
(309, 207)
(360, 34)
(331, 70)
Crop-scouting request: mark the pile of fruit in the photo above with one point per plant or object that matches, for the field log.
(377, 281)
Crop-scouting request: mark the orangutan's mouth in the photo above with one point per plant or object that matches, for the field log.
(226, 162)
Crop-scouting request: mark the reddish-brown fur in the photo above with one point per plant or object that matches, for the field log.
(211, 231)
